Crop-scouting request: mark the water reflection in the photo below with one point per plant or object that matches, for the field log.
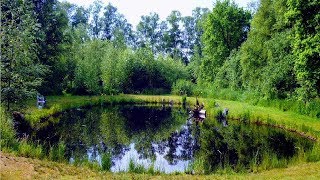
(167, 139)
(244, 146)
(157, 136)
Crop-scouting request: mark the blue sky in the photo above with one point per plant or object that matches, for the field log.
(134, 9)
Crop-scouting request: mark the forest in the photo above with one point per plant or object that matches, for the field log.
(268, 51)
(262, 62)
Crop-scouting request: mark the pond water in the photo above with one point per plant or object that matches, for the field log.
(165, 138)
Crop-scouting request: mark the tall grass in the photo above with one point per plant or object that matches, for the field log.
(135, 167)
(314, 154)
(28, 149)
(106, 162)
(310, 108)
(7, 132)
(57, 153)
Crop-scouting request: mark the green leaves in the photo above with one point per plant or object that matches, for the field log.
(225, 29)
(103, 67)
(20, 72)
(304, 18)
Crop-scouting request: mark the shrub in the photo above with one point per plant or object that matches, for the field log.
(182, 87)
(7, 133)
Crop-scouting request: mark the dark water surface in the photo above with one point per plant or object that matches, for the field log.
(165, 138)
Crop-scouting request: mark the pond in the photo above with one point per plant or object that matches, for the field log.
(166, 139)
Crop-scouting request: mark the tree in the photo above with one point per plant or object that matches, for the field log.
(88, 67)
(114, 26)
(80, 16)
(225, 29)
(95, 24)
(148, 31)
(267, 57)
(192, 32)
(173, 37)
(109, 22)
(303, 17)
(21, 72)
(253, 53)
(53, 20)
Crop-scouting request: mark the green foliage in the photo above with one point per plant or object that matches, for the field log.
(279, 78)
(229, 74)
(225, 29)
(87, 75)
(7, 132)
(314, 155)
(148, 31)
(253, 52)
(51, 40)
(124, 71)
(21, 74)
(57, 153)
(28, 149)
(279, 57)
(106, 162)
(306, 45)
(134, 167)
(183, 87)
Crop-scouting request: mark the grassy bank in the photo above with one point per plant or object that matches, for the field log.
(268, 115)
(13, 167)
(56, 104)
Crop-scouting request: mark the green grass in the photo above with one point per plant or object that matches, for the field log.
(57, 152)
(135, 167)
(273, 116)
(106, 162)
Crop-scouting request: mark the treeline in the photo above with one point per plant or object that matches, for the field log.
(270, 49)
(280, 57)
(54, 47)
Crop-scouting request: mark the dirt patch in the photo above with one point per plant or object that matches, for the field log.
(13, 167)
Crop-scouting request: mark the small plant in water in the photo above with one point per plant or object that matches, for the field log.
(106, 162)
(134, 167)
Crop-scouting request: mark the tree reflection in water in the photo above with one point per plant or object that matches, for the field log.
(161, 136)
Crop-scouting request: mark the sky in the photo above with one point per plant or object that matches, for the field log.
(134, 9)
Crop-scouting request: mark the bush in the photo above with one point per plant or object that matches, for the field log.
(183, 87)
(7, 132)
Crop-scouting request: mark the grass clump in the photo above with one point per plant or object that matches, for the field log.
(134, 167)
(182, 87)
(106, 162)
(57, 152)
(314, 154)
(245, 117)
(7, 132)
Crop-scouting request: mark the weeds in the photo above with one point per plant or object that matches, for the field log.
(57, 152)
(245, 117)
(106, 162)
(134, 167)
(314, 154)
